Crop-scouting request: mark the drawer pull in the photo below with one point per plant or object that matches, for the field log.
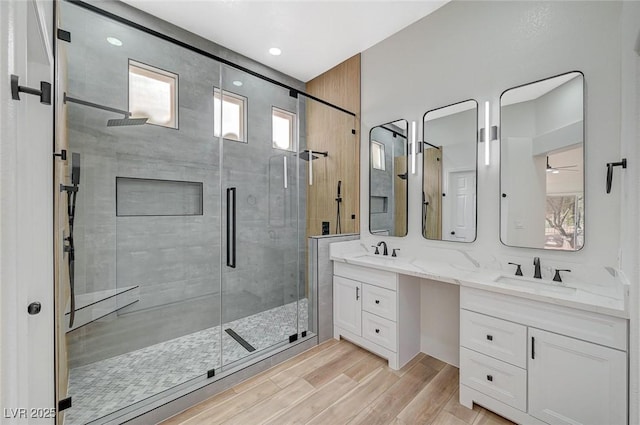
(533, 347)
(489, 337)
(357, 293)
(377, 301)
(377, 331)
(490, 378)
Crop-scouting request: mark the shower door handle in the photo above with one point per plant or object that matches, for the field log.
(231, 227)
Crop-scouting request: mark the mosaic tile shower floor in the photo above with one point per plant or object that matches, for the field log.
(104, 387)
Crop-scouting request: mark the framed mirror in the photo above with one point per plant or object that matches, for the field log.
(388, 179)
(542, 164)
(449, 170)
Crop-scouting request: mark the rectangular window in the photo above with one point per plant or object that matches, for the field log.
(233, 112)
(377, 155)
(153, 93)
(282, 128)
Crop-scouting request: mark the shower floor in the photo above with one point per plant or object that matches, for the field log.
(104, 387)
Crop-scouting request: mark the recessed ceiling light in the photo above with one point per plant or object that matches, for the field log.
(237, 83)
(114, 41)
(275, 51)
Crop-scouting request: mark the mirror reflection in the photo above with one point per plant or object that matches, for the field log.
(449, 172)
(388, 179)
(542, 164)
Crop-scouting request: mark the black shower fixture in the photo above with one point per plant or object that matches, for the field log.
(116, 122)
(305, 154)
(403, 176)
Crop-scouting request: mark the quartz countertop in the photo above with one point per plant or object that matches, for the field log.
(602, 290)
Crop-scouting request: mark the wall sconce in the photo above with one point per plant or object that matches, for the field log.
(488, 133)
(414, 130)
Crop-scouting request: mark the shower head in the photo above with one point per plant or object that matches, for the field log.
(118, 122)
(122, 122)
(304, 155)
(403, 176)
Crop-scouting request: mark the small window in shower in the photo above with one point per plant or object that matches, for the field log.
(153, 93)
(232, 111)
(282, 128)
(377, 155)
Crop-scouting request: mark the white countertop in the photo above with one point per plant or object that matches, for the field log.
(597, 289)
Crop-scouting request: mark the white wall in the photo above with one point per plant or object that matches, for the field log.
(477, 50)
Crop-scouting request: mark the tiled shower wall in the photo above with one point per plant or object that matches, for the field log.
(175, 260)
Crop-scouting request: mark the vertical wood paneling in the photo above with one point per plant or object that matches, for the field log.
(400, 196)
(60, 229)
(330, 130)
(433, 193)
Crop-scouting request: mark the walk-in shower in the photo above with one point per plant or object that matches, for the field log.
(187, 252)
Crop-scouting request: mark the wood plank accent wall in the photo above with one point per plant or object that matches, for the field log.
(433, 193)
(61, 230)
(330, 130)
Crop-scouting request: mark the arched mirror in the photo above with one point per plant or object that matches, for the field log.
(542, 164)
(388, 179)
(449, 172)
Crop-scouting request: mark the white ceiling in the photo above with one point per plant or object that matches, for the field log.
(314, 35)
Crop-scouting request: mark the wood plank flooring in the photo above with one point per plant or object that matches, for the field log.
(340, 383)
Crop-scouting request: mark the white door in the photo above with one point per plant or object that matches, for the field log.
(26, 212)
(576, 382)
(459, 219)
(347, 305)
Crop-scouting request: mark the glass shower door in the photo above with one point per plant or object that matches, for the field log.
(260, 269)
(143, 320)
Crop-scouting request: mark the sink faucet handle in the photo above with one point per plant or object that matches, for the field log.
(377, 250)
(518, 268)
(393, 254)
(557, 277)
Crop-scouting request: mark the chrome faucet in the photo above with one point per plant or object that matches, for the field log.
(384, 245)
(536, 273)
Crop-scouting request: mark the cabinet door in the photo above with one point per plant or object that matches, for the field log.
(347, 304)
(576, 382)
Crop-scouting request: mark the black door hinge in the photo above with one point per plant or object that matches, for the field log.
(62, 154)
(211, 373)
(64, 35)
(293, 338)
(293, 93)
(64, 404)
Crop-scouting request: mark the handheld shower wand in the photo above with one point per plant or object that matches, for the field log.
(72, 194)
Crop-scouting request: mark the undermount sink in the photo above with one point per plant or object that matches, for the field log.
(535, 284)
(381, 257)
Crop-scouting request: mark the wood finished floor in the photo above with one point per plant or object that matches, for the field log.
(340, 383)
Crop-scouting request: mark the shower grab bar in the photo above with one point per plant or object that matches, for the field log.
(231, 228)
(286, 177)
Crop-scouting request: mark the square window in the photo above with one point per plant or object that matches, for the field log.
(153, 93)
(282, 128)
(377, 155)
(233, 111)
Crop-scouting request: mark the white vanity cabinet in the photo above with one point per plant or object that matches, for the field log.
(366, 311)
(538, 363)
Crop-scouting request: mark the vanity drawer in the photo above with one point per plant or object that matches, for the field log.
(380, 331)
(379, 301)
(373, 276)
(506, 341)
(502, 381)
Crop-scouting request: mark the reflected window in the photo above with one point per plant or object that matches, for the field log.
(377, 155)
(153, 93)
(231, 109)
(282, 127)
